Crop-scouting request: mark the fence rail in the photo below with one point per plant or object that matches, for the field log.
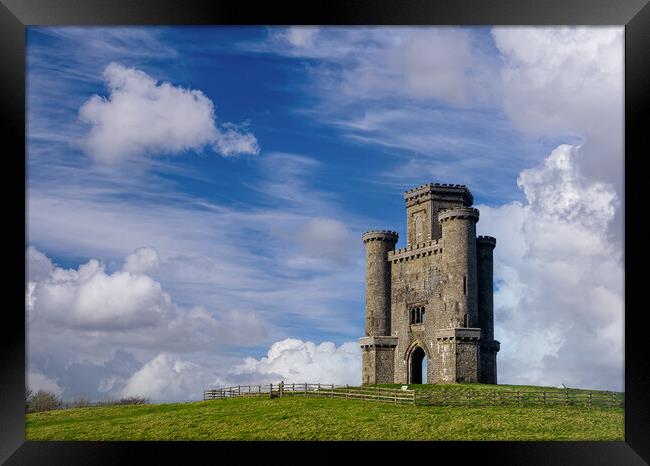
(378, 394)
(454, 397)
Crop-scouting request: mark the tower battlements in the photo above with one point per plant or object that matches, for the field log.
(441, 192)
(432, 298)
(380, 235)
(487, 240)
(464, 212)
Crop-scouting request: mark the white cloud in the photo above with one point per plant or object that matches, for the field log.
(166, 377)
(559, 279)
(442, 63)
(141, 261)
(298, 36)
(296, 361)
(568, 81)
(37, 381)
(39, 266)
(142, 117)
(92, 299)
(130, 308)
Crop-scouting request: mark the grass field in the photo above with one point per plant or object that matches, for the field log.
(297, 418)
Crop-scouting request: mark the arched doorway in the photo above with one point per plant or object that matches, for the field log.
(417, 358)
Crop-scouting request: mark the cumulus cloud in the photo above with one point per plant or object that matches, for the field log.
(568, 81)
(141, 261)
(559, 278)
(92, 299)
(169, 377)
(79, 316)
(296, 361)
(144, 117)
(165, 377)
(125, 301)
(37, 381)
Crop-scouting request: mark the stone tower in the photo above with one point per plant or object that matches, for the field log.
(433, 299)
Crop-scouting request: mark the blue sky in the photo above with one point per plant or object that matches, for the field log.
(207, 187)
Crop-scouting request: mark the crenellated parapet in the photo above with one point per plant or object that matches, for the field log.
(486, 241)
(463, 213)
(380, 235)
(426, 248)
(441, 192)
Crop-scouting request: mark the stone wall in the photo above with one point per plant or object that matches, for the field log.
(416, 281)
(377, 359)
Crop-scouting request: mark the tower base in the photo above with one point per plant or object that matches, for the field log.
(489, 349)
(456, 358)
(378, 359)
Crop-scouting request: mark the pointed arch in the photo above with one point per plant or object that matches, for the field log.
(414, 356)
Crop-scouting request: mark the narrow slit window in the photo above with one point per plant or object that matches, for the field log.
(465, 285)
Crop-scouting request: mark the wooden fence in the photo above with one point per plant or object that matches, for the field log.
(452, 397)
(377, 394)
(518, 398)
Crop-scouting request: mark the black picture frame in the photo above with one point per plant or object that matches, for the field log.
(15, 15)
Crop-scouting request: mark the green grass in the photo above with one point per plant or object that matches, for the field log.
(298, 418)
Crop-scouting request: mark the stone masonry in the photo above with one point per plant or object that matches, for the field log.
(432, 299)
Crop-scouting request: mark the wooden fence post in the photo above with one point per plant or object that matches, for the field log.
(332, 394)
(305, 388)
(494, 397)
(590, 399)
(544, 393)
(614, 399)
(415, 397)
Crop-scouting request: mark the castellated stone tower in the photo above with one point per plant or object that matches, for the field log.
(432, 299)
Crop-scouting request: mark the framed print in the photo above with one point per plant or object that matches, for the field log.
(352, 226)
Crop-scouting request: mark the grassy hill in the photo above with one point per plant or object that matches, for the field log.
(298, 418)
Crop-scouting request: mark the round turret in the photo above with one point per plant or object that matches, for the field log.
(378, 244)
(484, 247)
(459, 266)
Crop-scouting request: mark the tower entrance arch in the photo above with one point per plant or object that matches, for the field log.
(417, 361)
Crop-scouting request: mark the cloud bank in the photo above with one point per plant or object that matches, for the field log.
(558, 278)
